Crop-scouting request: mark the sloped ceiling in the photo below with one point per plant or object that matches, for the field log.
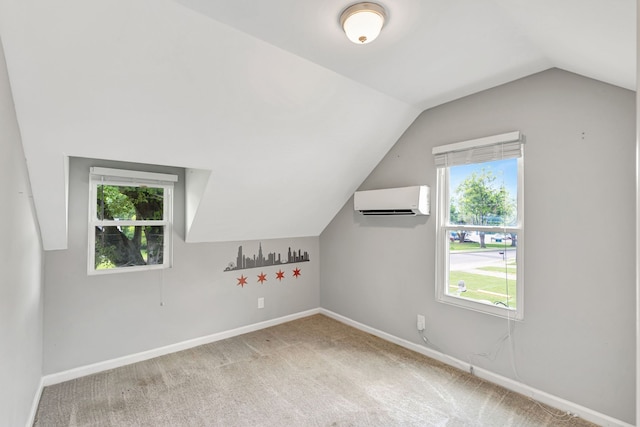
(276, 116)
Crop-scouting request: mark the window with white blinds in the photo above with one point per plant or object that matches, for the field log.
(480, 232)
(130, 220)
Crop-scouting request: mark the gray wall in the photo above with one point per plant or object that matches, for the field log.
(20, 273)
(90, 319)
(577, 340)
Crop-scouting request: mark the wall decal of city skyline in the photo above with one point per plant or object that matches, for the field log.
(259, 260)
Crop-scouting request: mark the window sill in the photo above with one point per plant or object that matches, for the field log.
(482, 307)
(132, 269)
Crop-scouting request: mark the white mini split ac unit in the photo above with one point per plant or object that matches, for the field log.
(409, 201)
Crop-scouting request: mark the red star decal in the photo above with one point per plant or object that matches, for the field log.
(280, 275)
(242, 281)
(296, 272)
(262, 277)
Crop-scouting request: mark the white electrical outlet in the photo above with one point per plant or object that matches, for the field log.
(421, 322)
(260, 302)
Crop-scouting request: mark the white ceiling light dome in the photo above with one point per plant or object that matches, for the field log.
(362, 22)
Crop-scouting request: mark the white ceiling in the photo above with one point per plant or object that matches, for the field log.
(277, 117)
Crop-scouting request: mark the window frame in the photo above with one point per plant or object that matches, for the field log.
(129, 178)
(444, 227)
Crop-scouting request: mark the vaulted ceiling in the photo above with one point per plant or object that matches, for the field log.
(275, 115)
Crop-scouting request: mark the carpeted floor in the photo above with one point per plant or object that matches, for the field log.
(310, 372)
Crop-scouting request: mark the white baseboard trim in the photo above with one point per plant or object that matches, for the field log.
(508, 383)
(34, 404)
(94, 368)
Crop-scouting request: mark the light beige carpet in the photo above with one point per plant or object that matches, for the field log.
(309, 372)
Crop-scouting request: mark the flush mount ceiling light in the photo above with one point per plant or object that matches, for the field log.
(362, 22)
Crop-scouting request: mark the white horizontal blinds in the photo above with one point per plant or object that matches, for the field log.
(122, 175)
(496, 147)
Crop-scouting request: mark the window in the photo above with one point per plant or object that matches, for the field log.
(480, 234)
(130, 220)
